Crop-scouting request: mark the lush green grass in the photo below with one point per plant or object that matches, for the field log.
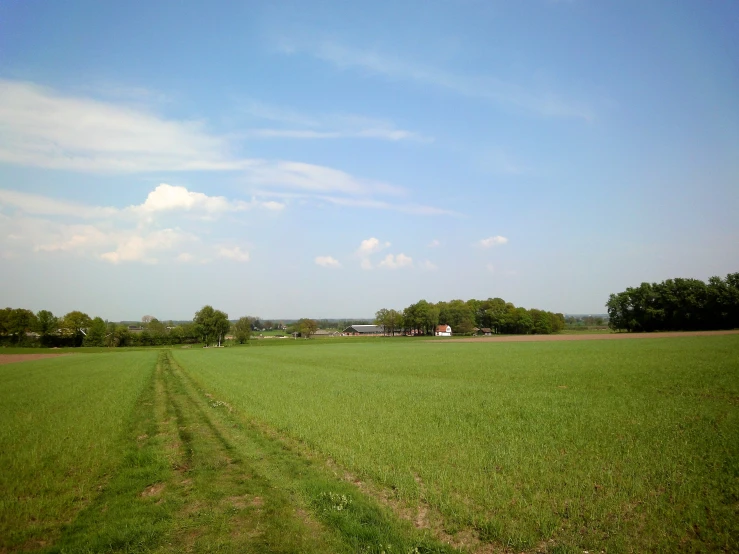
(61, 421)
(121, 452)
(595, 445)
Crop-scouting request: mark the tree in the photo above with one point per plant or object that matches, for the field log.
(459, 314)
(46, 323)
(16, 323)
(212, 325)
(75, 325)
(306, 327)
(242, 330)
(676, 304)
(96, 333)
(158, 331)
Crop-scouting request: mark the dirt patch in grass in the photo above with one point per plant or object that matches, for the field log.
(603, 336)
(154, 490)
(12, 358)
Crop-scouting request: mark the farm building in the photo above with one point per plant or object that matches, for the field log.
(357, 330)
(443, 331)
(485, 331)
(324, 333)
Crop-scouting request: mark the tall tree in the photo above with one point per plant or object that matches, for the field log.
(212, 325)
(96, 333)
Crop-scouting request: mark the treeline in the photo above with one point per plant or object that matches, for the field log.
(677, 305)
(496, 314)
(21, 327)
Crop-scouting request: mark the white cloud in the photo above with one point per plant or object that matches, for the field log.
(167, 197)
(508, 94)
(366, 264)
(327, 261)
(50, 237)
(370, 246)
(118, 235)
(143, 246)
(396, 262)
(493, 241)
(171, 198)
(428, 265)
(235, 253)
(434, 244)
(41, 127)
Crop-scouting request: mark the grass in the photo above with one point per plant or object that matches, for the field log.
(608, 445)
(61, 421)
(164, 467)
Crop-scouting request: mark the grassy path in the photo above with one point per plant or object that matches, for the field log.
(196, 478)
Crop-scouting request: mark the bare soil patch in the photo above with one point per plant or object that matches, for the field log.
(595, 336)
(12, 358)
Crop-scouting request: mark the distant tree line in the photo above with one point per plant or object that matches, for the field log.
(677, 305)
(496, 314)
(583, 322)
(21, 327)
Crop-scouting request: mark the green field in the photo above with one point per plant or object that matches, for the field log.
(384, 445)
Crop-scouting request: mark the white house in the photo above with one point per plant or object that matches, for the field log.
(443, 331)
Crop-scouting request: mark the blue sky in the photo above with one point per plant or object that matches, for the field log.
(328, 159)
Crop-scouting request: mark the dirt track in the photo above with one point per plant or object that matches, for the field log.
(595, 336)
(12, 358)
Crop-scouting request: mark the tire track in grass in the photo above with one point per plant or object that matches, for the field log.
(196, 478)
(318, 495)
(181, 488)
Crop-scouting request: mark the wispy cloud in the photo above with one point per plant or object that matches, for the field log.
(296, 125)
(526, 98)
(40, 127)
(327, 261)
(43, 205)
(316, 178)
(413, 209)
(434, 243)
(492, 241)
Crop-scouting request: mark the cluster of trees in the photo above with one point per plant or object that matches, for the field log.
(677, 305)
(304, 327)
(19, 327)
(463, 317)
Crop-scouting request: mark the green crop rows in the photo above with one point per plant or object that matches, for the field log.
(382, 445)
(617, 445)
